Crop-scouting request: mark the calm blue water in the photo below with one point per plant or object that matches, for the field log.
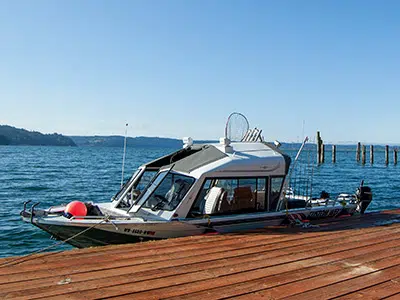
(55, 175)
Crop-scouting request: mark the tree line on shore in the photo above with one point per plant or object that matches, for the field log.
(17, 136)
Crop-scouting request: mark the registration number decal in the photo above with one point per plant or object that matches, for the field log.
(139, 231)
(324, 213)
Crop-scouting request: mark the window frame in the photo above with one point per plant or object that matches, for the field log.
(168, 172)
(267, 191)
(270, 187)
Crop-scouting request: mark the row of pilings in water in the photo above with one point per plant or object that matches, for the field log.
(361, 152)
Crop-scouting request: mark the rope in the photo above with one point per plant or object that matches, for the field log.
(29, 256)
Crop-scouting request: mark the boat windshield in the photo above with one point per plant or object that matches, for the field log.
(144, 180)
(134, 188)
(166, 191)
(126, 185)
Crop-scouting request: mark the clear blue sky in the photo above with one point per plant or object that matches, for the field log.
(178, 68)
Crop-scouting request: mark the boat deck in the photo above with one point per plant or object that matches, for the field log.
(346, 258)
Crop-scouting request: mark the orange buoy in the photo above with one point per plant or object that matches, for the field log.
(76, 208)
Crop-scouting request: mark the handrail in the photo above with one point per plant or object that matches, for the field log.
(252, 135)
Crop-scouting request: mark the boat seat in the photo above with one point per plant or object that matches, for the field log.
(212, 199)
(200, 201)
(224, 205)
(243, 198)
(260, 197)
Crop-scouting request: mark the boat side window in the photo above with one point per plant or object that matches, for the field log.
(260, 194)
(170, 192)
(230, 196)
(276, 186)
(228, 185)
(198, 205)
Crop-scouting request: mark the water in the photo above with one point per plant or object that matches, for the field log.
(55, 175)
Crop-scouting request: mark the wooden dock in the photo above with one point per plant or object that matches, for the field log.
(346, 258)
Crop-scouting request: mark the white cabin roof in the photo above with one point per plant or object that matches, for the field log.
(236, 159)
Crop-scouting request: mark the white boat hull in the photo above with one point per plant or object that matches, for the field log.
(83, 233)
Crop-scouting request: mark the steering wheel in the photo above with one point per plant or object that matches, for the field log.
(162, 201)
(162, 198)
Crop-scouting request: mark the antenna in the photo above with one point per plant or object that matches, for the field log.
(123, 156)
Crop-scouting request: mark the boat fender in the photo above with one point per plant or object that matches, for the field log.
(75, 208)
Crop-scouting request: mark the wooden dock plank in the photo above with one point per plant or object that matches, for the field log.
(177, 284)
(368, 275)
(364, 276)
(170, 251)
(194, 263)
(386, 289)
(294, 271)
(235, 255)
(296, 274)
(192, 256)
(288, 268)
(346, 257)
(394, 297)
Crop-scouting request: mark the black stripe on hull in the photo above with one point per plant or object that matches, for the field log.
(282, 217)
(243, 221)
(92, 237)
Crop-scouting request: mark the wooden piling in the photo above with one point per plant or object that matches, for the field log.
(371, 154)
(319, 148)
(334, 153)
(322, 153)
(363, 154)
(386, 154)
(358, 151)
(395, 156)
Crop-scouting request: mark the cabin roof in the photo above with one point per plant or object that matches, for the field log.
(172, 157)
(208, 154)
(244, 157)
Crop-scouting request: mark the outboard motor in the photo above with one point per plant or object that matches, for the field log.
(324, 195)
(364, 197)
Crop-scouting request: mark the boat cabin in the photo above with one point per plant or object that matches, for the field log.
(204, 180)
(143, 176)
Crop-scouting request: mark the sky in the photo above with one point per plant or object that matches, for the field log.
(176, 68)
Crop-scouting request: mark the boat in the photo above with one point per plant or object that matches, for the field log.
(228, 186)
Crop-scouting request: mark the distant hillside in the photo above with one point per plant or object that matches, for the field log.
(118, 141)
(16, 136)
(140, 141)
